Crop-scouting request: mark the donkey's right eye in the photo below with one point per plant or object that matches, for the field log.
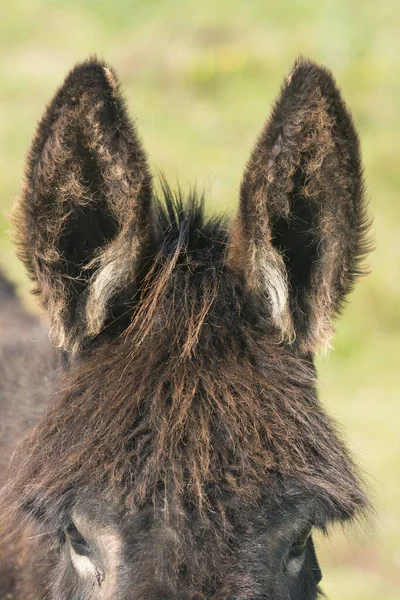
(77, 541)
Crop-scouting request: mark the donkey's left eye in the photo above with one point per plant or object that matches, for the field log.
(299, 546)
(77, 541)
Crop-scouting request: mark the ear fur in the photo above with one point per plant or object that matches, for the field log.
(84, 217)
(300, 233)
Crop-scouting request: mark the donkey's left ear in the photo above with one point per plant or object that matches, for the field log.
(84, 222)
(301, 228)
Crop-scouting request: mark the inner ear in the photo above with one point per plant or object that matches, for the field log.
(89, 226)
(293, 236)
(85, 220)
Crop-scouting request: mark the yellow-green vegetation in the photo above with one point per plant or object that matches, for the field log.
(200, 78)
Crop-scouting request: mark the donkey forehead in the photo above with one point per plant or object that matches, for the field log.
(100, 516)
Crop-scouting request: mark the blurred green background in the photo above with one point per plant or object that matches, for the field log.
(200, 78)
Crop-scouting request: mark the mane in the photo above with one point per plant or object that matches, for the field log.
(193, 399)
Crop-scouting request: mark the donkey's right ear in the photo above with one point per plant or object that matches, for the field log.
(84, 221)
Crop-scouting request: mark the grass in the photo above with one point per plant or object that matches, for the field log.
(200, 79)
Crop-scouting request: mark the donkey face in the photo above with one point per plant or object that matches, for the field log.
(270, 554)
(185, 454)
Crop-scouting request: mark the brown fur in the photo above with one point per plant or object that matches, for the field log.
(302, 193)
(187, 413)
(87, 155)
(188, 395)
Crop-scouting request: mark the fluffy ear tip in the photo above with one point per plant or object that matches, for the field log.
(93, 65)
(308, 65)
(91, 74)
(309, 71)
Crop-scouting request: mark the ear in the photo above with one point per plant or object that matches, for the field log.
(301, 229)
(84, 221)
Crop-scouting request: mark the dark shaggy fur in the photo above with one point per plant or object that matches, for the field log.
(87, 183)
(185, 418)
(303, 191)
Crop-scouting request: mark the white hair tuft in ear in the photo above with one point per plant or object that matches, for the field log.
(268, 276)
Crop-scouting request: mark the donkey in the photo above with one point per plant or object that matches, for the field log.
(168, 443)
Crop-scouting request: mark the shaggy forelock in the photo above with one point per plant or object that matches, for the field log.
(192, 400)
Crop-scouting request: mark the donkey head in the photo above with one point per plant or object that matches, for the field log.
(185, 454)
